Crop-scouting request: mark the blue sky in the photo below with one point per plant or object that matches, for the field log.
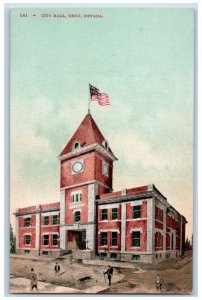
(143, 59)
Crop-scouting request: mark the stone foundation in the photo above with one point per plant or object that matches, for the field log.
(139, 257)
(83, 254)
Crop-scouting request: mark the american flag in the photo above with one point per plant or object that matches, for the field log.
(101, 98)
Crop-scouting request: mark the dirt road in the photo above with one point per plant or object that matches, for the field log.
(176, 275)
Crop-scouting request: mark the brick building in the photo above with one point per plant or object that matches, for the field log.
(136, 224)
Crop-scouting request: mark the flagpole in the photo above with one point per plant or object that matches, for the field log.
(89, 100)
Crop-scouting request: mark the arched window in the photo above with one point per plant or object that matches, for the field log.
(76, 145)
(105, 144)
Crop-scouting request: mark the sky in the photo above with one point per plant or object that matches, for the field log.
(142, 58)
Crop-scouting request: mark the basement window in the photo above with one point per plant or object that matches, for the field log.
(103, 255)
(135, 257)
(44, 252)
(27, 251)
(113, 255)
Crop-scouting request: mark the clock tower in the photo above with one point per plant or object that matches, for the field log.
(86, 170)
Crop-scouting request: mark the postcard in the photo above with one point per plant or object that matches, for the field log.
(101, 150)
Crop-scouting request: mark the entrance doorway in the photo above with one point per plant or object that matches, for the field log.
(76, 239)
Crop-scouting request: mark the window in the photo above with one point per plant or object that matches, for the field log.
(135, 257)
(114, 213)
(103, 238)
(77, 197)
(77, 216)
(114, 239)
(44, 252)
(136, 239)
(46, 240)
(104, 214)
(27, 239)
(54, 239)
(158, 214)
(136, 211)
(103, 255)
(46, 220)
(27, 222)
(76, 145)
(105, 144)
(27, 251)
(55, 219)
(113, 255)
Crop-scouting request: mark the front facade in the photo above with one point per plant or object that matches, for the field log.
(135, 224)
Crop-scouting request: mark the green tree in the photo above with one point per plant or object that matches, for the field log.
(188, 245)
(12, 240)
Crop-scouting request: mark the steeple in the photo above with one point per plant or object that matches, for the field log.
(87, 134)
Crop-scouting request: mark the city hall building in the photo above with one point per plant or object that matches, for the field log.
(135, 224)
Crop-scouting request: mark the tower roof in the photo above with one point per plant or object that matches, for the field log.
(86, 134)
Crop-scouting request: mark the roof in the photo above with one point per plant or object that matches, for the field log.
(38, 209)
(86, 134)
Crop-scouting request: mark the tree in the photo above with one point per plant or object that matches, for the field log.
(188, 245)
(12, 240)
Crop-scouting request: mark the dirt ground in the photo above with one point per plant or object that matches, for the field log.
(176, 275)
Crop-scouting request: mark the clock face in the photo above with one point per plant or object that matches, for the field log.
(105, 169)
(77, 167)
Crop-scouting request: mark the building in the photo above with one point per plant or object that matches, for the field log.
(136, 224)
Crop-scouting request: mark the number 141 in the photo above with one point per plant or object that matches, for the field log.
(23, 15)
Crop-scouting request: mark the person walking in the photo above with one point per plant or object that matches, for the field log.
(57, 269)
(34, 280)
(109, 273)
(158, 284)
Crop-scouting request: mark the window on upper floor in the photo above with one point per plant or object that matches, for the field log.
(105, 144)
(27, 222)
(104, 214)
(46, 240)
(136, 239)
(76, 145)
(77, 197)
(114, 213)
(136, 212)
(55, 219)
(54, 239)
(158, 214)
(103, 238)
(46, 220)
(27, 239)
(114, 236)
(77, 216)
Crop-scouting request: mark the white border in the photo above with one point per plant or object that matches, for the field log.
(198, 189)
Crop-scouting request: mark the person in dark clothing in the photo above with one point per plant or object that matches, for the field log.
(109, 273)
(34, 280)
(57, 269)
